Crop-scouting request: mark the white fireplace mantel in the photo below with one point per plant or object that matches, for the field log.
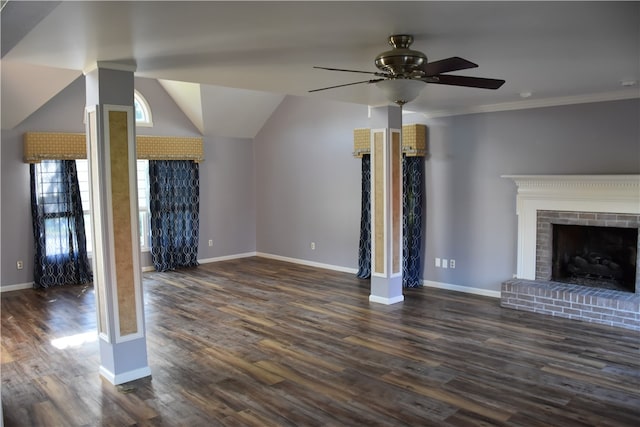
(578, 193)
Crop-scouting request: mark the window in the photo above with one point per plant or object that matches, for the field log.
(143, 112)
(143, 205)
(59, 232)
(143, 118)
(82, 166)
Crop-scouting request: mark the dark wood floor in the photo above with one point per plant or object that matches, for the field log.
(257, 342)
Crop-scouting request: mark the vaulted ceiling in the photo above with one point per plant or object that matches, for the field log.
(548, 52)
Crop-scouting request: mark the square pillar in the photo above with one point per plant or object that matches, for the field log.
(111, 151)
(386, 205)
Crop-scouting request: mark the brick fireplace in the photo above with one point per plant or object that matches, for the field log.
(610, 227)
(605, 290)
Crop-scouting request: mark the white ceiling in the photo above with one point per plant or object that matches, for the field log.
(554, 50)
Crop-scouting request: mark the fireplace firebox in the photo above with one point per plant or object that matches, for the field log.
(602, 257)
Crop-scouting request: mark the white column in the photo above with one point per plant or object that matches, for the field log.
(386, 205)
(111, 150)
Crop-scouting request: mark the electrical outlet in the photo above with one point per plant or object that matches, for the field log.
(19, 265)
(445, 263)
(313, 246)
(210, 242)
(452, 263)
(437, 262)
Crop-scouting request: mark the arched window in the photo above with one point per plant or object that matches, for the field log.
(143, 112)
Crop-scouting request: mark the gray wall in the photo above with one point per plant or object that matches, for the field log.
(308, 184)
(63, 113)
(227, 203)
(471, 210)
(227, 198)
(297, 181)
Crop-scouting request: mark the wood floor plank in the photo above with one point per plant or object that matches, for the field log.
(259, 342)
(454, 399)
(388, 347)
(286, 351)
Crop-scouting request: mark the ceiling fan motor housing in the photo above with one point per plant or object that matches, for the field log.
(401, 61)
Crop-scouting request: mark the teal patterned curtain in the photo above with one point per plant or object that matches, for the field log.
(412, 181)
(174, 204)
(364, 249)
(413, 191)
(58, 225)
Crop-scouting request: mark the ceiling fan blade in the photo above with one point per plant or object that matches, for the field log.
(467, 81)
(353, 71)
(347, 84)
(454, 63)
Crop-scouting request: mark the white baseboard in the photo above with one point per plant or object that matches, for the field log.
(427, 283)
(458, 288)
(386, 301)
(16, 287)
(125, 377)
(308, 263)
(227, 257)
(208, 260)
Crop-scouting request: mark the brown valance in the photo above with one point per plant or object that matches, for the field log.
(40, 146)
(414, 141)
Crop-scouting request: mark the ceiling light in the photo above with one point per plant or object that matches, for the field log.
(401, 91)
(525, 94)
(628, 83)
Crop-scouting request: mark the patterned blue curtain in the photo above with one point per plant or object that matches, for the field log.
(364, 250)
(413, 190)
(58, 225)
(174, 204)
(412, 173)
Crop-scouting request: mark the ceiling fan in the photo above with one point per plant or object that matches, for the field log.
(403, 72)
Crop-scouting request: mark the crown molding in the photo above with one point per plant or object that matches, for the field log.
(539, 103)
(129, 66)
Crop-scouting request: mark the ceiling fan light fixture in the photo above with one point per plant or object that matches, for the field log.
(401, 91)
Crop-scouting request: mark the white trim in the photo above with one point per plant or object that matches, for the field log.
(148, 123)
(125, 377)
(108, 65)
(385, 213)
(270, 256)
(539, 103)
(16, 287)
(226, 257)
(574, 193)
(96, 153)
(307, 263)
(426, 283)
(133, 209)
(400, 189)
(386, 301)
(459, 288)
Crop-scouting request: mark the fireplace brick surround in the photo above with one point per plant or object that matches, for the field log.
(598, 200)
(544, 237)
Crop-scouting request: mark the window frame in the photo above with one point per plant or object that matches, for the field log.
(141, 102)
(144, 214)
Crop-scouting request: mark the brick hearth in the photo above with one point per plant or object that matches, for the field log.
(609, 307)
